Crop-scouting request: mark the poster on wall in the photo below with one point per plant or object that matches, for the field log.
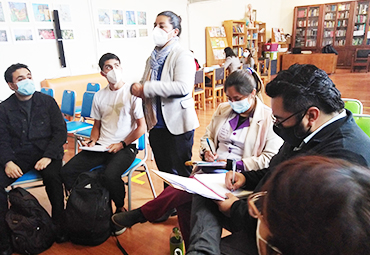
(18, 12)
(141, 18)
(104, 34)
(23, 34)
(131, 33)
(46, 34)
(67, 34)
(2, 17)
(41, 12)
(104, 17)
(130, 18)
(118, 33)
(143, 32)
(64, 12)
(117, 17)
(3, 36)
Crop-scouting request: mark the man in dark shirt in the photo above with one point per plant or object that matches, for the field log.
(33, 132)
(309, 115)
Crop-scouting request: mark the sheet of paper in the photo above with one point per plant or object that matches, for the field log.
(96, 148)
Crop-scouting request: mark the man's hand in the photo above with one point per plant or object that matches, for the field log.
(90, 143)
(12, 170)
(114, 148)
(42, 164)
(209, 156)
(137, 89)
(225, 206)
(239, 180)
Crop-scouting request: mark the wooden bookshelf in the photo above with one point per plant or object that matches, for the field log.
(261, 29)
(235, 34)
(252, 42)
(216, 42)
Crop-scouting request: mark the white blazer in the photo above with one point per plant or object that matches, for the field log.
(175, 90)
(261, 142)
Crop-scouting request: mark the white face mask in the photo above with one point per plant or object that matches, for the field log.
(240, 106)
(114, 76)
(259, 238)
(160, 36)
(245, 54)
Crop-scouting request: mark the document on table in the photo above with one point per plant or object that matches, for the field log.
(207, 185)
(96, 148)
(218, 164)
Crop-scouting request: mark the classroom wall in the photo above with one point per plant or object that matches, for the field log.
(83, 52)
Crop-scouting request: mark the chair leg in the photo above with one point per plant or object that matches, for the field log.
(150, 180)
(203, 99)
(129, 190)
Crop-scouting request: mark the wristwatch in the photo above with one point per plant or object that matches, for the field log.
(123, 144)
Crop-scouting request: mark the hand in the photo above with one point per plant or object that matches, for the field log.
(12, 170)
(42, 164)
(209, 156)
(239, 180)
(114, 148)
(225, 206)
(90, 143)
(137, 89)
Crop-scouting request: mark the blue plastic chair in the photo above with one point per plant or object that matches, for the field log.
(68, 105)
(31, 176)
(48, 91)
(91, 87)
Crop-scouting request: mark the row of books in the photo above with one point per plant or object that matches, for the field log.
(236, 40)
(239, 28)
(361, 19)
(217, 32)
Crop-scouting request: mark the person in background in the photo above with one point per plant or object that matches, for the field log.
(33, 133)
(240, 129)
(232, 62)
(313, 206)
(118, 123)
(309, 115)
(197, 66)
(247, 58)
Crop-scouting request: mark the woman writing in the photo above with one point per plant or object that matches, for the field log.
(232, 62)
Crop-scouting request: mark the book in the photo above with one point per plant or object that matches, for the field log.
(96, 148)
(207, 185)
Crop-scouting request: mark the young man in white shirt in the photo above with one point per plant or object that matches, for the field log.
(118, 123)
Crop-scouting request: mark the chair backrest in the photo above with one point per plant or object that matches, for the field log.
(219, 73)
(141, 142)
(48, 91)
(93, 87)
(68, 105)
(87, 101)
(363, 121)
(353, 105)
(362, 53)
(199, 77)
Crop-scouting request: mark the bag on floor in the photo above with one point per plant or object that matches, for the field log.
(32, 229)
(89, 210)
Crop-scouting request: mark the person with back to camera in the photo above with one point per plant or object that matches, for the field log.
(232, 62)
(313, 206)
(309, 115)
(166, 89)
(240, 129)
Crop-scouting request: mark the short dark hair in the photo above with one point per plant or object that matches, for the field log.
(244, 81)
(302, 86)
(317, 205)
(229, 52)
(175, 20)
(105, 57)
(8, 75)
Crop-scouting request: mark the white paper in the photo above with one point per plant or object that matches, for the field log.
(96, 148)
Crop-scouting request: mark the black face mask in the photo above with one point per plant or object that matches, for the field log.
(293, 135)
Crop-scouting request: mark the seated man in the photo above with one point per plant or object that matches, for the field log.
(310, 116)
(33, 132)
(118, 123)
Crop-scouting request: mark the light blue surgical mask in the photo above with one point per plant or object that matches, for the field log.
(240, 106)
(26, 87)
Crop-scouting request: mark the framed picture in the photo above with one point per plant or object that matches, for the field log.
(4, 35)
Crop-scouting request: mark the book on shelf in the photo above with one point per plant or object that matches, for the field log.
(207, 185)
(217, 32)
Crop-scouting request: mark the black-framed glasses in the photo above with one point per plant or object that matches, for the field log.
(279, 124)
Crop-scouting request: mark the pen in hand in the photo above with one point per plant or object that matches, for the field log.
(209, 145)
(234, 168)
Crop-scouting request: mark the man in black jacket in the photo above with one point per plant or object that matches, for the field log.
(32, 134)
(310, 116)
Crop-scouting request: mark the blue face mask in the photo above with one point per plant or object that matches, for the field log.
(240, 106)
(26, 87)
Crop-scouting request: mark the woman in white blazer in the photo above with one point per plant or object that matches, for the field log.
(166, 89)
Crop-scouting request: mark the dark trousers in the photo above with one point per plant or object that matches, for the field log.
(116, 164)
(172, 151)
(53, 186)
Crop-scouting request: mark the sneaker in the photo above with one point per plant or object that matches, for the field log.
(118, 230)
(128, 219)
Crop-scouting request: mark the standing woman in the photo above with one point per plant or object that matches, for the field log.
(166, 88)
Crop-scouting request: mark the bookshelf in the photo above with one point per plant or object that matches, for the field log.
(235, 34)
(216, 42)
(252, 42)
(261, 29)
(345, 25)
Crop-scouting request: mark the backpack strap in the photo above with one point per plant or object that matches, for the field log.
(119, 245)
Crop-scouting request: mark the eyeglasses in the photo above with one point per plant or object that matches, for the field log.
(279, 124)
(255, 212)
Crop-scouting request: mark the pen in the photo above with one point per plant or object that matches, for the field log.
(90, 142)
(234, 168)
(209, 144)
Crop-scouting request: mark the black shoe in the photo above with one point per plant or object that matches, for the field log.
(165, 217)
(128, 219)
(6, 251)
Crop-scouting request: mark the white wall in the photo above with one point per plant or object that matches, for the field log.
(82, 53)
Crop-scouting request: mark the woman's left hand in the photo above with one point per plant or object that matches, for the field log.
(137, 89)
(225, 206)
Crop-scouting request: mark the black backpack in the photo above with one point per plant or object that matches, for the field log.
(32, 229)
(89, 210)
(329, 49)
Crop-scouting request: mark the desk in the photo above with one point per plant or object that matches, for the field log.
(324, 61)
